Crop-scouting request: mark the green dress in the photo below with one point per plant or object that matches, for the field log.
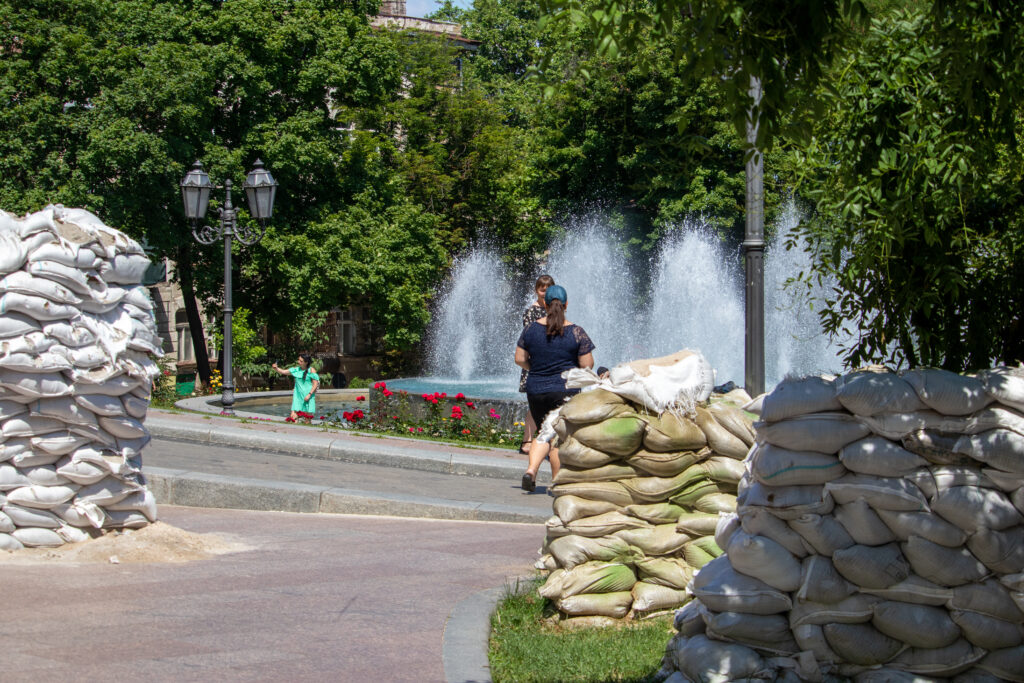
(302, 388)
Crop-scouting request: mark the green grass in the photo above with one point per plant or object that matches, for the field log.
(528, 643)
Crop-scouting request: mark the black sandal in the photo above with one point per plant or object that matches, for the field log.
(528, 483)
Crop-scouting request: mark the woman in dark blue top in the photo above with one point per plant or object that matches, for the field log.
(547, 348)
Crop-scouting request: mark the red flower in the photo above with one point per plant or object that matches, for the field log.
(465, 431)
(360, 398)
(403, 392)
(419, 429)
(323, 417)
(394, 417)
(460, 396)
(289, 419)
(387, 392)
(444, 395)
(411, 429)
(469, 404)
(380, 385)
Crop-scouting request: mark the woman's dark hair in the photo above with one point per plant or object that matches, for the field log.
(556, 317)
(309, 362)
(543, 281)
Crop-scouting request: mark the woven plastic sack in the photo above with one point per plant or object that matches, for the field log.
(776, 466)
(572, 475)
(760, 521)
(941, 565)
(799, 396)
(615, 605)
(572, 453)
(863, 523)
(604, 524)
(610, 491)
(669, 432)
(665, 571)
(821, 432)
(763, 631)
(764, 559)
(618, 435)
(702, 659)
(720, 439)
(880, 457)
(572, 550)
(655, 513)
(915, 625)
(664, 464)
(569, 508)
(948, 392)
(872, 566)
(870, 393)
(594, 406)
(722, 589)
(1005, 384)
(662, 539)
(861, 643)
(653, 597)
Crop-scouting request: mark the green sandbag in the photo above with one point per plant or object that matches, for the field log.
(668, 432)
(701, 551)
(619, 435)
(713, 503)
(615, 605)
(611, 472)
(605, 524)
(708, 545)
(662, 539)
(695, 490)
(724, 470)
(597, 577)
(569, 508)
(653, 597)
(697, 523)
(721, 441)
(665, 571)
(574, 454)
(660, 489)
(665, 464)
(597, 405)
(655, 513)
(572, 550)
(611, 491)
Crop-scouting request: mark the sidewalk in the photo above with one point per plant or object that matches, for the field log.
(212, 461)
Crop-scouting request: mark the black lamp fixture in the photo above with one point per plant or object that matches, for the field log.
(260, 190)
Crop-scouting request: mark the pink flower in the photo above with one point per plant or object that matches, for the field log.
(419, 429)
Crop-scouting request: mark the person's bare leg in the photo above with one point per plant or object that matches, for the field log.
(538, 451)
(555, 462)
(294, 416)
(529, 431)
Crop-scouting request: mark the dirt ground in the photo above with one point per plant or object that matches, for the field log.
(157, 542)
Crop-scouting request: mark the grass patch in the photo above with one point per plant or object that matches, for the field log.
(529, 643)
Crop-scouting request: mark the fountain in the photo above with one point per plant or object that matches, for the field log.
(689, 295)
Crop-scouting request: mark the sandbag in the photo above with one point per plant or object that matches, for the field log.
(943, 661)
(945, 566)
(572, 453)
(863, 523)
(820, 432)
(655, 513)
(987, 597)
(722, 589)
(661, 539)
(764, 559)
(664, 464)
(760, 521)
(653, 597)
(572, 550)
(610, 491)
(987, 632)
(1008, 663)
(861, 643)
(702, 659)
(569, 508)
(604, 524)
(715, 503)
(618, 435)
(615, 605)
(880, 457)
(596, 405)
(31, 517)
(926, 525)
(882, 493)
(822, 533)
(1004, 384)
(777, 466)
(691, 494)
(763, 631)
(734, 421)
(669, 432)
(872, 566)
(799, 396)
(870, 393)
(720, 440)
(853, 609)
(999, 448)
(596, 577)
(973, 507)
(700, 551)
(697, 523)
(664, 571)
(914, 590)
(788, 502)
(37, 537)
(916, 625)
(658, 489)
(1000, 551)
(947, 392)
(821, 583)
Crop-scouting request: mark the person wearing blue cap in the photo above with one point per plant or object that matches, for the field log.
(547, 348)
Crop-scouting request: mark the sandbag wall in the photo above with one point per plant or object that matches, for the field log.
(636, 502)
(76, 334)
(879, 535)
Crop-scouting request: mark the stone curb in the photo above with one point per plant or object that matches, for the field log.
(197, 489)
(342, 449)
(466, 634)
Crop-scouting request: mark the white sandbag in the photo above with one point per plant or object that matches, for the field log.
(107, 491)
(820, 432)
(916, 625)
(688, 620)
(913, 590)
(125, 519)
(722, 589)
(81, 514)
(75, 279)
(989, 597)
(36, 385)
(999, 448)
(1004, 481)
(822, 534)
(42, 362)
(12, 477)
(41, 497)
(788, 502)
(12, 252)
(105, 384)
(870, 393)
(1005, 384)
(22, 282)
(728, 524)
(8, 542)
(572, 550)
(36, 307)
(763, 631)
(45, 475)
(1008, 663)
(72, 334)
(821, 583)
(88, 357)
(37, 537)
(924, 524)
(63, 408)
(82, 259)
(6, 524)
(1000, 551)
(57, 443)
(16, 325)
(569, 508)
(653, 597)
(973, 507)
(138, 296)
(604, 524)
(853, 609)
(710, 661)
(615, 605)
(945, 566)
(949, 476)
(26, 425)
(811, 638)
(82, 473)
(31, 517)
(863, 523)
(944, 661)
(125, 268)
(987, 632)
(30, 343)
(880, 457)
(792, 397)
(861, 643)
(882, 493)
(947, 392)
(32, 458)
(759, 521)
(777, 466)
(872, 566)
(107, 406)
(9, 409)
(132, 448)
(764, 559)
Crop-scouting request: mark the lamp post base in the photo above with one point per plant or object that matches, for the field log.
(227, 401)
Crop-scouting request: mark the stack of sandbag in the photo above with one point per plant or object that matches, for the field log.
(637, 501)
(76, 334)
(879, 535)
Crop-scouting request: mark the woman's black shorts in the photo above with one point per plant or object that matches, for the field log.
(542, 404)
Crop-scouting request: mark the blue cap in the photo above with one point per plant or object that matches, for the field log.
(555, 292)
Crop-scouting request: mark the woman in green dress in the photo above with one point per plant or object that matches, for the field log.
(306, 384)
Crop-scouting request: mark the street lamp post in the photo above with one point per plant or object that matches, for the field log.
(753, 253)
(260, 190)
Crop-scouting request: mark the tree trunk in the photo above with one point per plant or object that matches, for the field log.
(195, 322)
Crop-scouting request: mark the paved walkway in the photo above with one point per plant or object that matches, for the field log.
(318, 598)
(210, 461)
